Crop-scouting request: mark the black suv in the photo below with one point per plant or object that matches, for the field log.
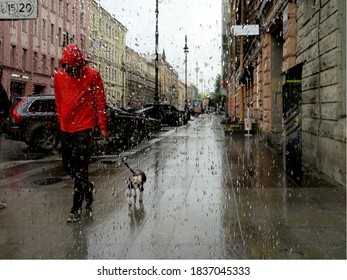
(34, 120)
(127, 130)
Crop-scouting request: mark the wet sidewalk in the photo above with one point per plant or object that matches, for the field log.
(208, 195)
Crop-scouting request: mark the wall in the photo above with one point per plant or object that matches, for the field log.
(321, 44)
(30, 50)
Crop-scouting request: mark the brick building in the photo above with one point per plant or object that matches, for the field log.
(289, 80)
(30, 50)
(107, 51)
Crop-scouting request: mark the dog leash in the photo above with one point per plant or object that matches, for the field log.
(127, 165)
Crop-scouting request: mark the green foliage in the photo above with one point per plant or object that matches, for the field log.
(218, 84)
(217, 95)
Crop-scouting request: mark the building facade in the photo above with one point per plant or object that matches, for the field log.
(289, 79)
(140, 77)
(169, 81)
(107, 52)
(30, 50)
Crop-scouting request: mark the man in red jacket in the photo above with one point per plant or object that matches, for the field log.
(81, 104)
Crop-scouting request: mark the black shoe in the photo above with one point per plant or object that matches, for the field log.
(92, 187)
(74, 217)
(89, 196)
(89, 211)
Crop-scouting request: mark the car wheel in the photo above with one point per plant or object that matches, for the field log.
(45, 139)
(175, 121)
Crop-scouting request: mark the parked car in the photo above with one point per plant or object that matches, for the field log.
(34, 120)
(185, 115)
(127, 130)
(167, 114)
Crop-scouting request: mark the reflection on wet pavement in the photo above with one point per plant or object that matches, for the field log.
(208, 195)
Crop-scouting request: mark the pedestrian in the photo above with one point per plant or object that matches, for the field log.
(5, 105)
(81, 104)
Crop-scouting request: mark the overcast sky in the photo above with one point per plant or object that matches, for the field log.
(200, 20)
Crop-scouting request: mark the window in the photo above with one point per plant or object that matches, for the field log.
(44, 64)
(44, 29)
(12, 55)
(17, 89)
(35, 62)
(73, 15)
(60, 42)
(82, 19)
(67, 12)
(24, 58)
(42, 106)
(52, 33)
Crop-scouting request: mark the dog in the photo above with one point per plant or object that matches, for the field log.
(136, 181)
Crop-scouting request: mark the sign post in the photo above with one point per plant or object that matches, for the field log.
(18, 9)
(248, 126)
(245, 30)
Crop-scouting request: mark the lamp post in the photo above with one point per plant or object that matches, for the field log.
(156, 91)
(185, 91)
(156, 63)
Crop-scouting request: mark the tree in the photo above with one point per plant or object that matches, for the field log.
(218, 84)
(217, 97)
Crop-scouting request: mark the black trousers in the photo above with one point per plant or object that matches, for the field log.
(76, 150)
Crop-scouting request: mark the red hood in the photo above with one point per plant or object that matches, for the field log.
(72, 56)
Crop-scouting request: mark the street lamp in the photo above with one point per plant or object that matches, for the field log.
(156, 63)
(185, 91)
(156, 91)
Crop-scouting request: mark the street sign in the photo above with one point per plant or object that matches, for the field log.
(248, 124)
(245, 30)
(18, 9)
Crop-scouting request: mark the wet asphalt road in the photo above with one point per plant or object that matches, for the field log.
(208, 195)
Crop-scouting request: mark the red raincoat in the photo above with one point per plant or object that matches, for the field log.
(80, 101)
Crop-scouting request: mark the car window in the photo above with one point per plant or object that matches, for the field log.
(42, 106)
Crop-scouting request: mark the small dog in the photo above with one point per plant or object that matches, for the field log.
(136, 181)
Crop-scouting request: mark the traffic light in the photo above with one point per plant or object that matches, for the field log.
(225, 84)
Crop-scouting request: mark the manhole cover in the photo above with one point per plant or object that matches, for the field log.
(48, 181)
